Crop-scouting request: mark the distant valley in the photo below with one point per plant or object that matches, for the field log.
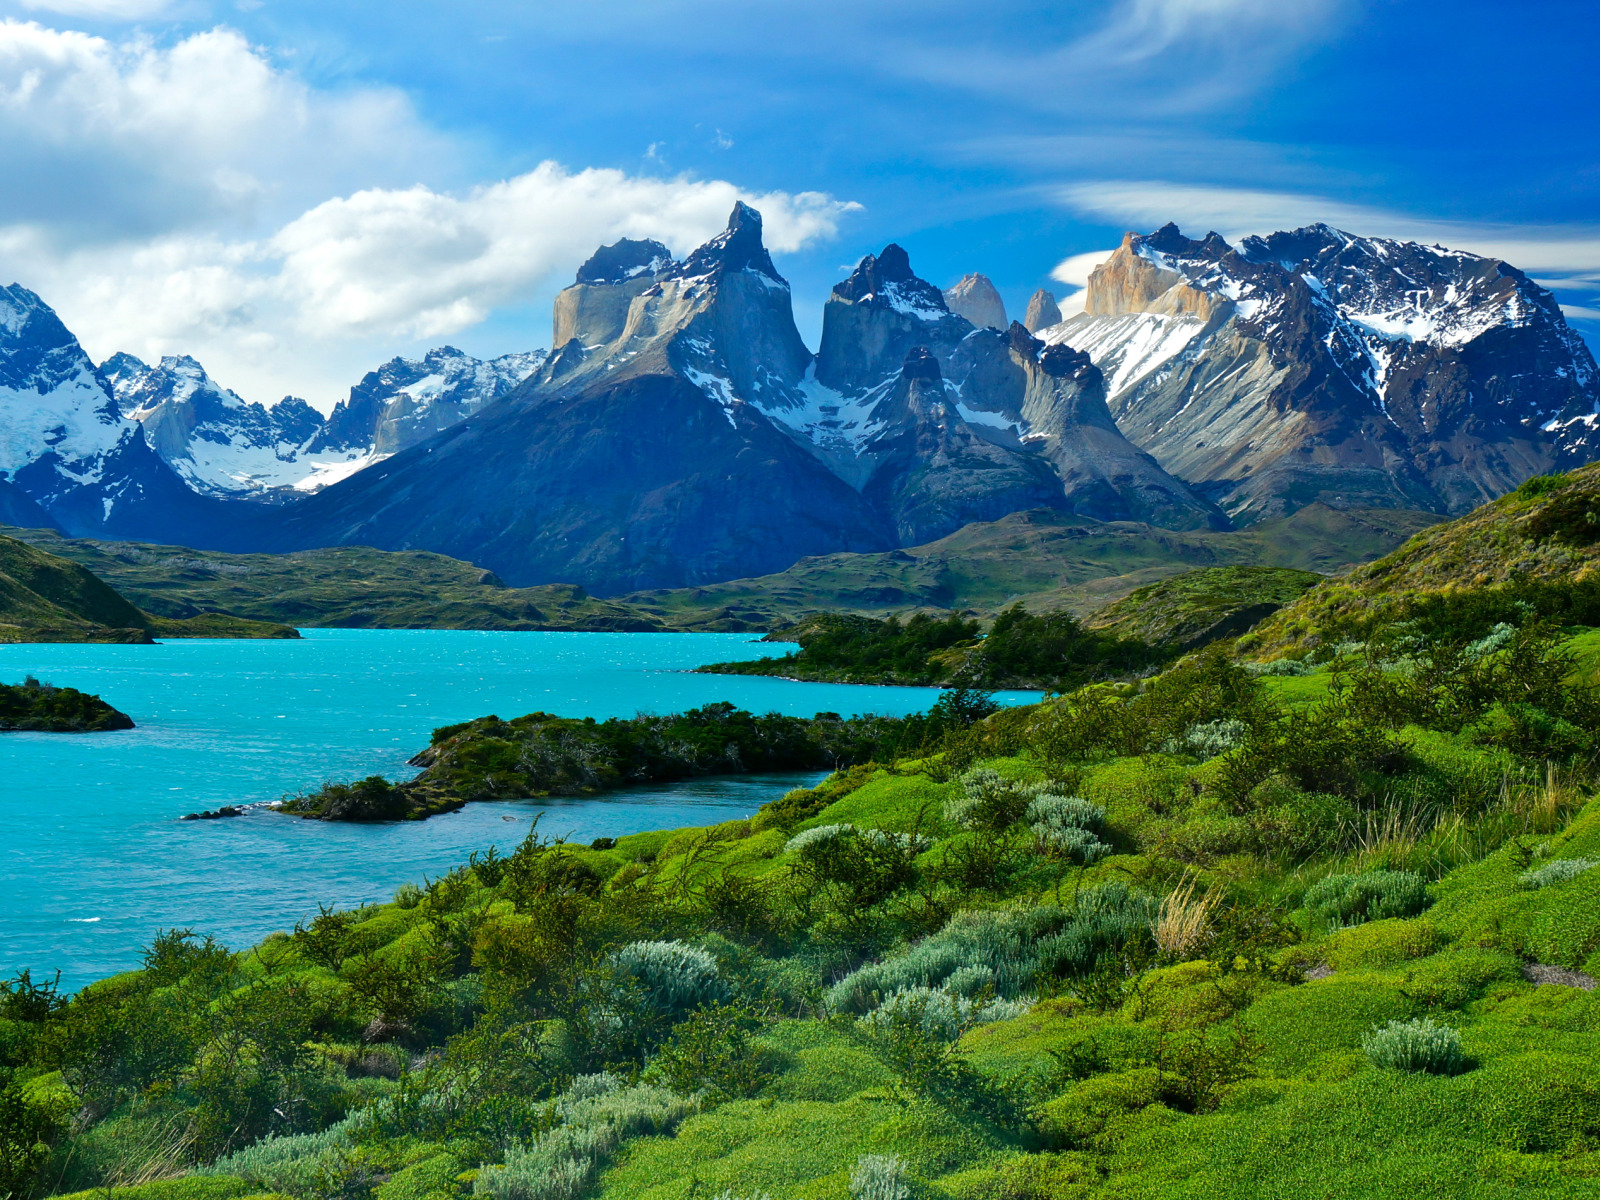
(1045, 559)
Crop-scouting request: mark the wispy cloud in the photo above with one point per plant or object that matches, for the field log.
(1142, 58)
(1568, 251)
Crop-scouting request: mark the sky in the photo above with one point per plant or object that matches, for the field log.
(293, 191)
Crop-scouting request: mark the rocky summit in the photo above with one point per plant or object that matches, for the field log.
(680, 432)
(1319, 366)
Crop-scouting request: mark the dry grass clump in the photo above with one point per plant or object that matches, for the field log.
(1182, 927)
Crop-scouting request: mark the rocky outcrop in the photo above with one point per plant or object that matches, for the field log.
(594, 310)
(646, 461)
(976, 299)
(1102, 474)
(935, 472)
(873, 319)
(1043, 311)
(1315, 366)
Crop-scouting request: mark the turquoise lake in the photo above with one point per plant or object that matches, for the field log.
(94, 859)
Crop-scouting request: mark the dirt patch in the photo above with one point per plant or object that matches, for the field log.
(1545, 973)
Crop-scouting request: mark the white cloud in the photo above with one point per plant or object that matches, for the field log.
(324, 298)
(104, 139)
(175, 199)
(1236, 212)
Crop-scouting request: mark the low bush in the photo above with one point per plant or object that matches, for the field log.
(597, 1114)
(1013, 950)
(670, 977)
(1559, 871)
(941, 1013)
(880, 1177)
(1342, 900)
(1416, 1045)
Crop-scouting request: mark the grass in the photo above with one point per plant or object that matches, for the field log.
(47, 598)
(1197, 607)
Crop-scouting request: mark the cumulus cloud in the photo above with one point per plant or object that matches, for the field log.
(311, 306)
(175, 199)
(105, 138)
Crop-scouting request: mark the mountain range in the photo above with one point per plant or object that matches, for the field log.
(680, 432)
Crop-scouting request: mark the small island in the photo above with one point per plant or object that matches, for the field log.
(34, 707)
(541, 755)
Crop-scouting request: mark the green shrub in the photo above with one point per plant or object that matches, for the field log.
(880, 1177)
(1014, 949)
(1209, 738)
(1416, 1045)
(597, 1114)
(1370, 896)
(1281, 667)
(671, 978)
(1559, 871)
(941, 1014)
(989, 801)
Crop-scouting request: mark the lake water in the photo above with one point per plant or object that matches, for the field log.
(94, 859)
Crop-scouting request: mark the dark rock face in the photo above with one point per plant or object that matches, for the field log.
(1315, 366)
(878, 315)
(18, 509)
(644, 482)
(935, 473)
(1103, 475)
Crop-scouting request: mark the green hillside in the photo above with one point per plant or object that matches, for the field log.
(47, 598)
(1198, 607)
(1049, 560)
(1233, 931)
(1534, 549)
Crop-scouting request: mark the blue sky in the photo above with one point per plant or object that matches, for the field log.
(294, 191)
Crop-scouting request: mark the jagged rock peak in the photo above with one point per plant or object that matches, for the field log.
(976, 298)
(1043, 312)
(887, 280)
(736, 248)
(1056, 359)
(624, 260)
(920, 364)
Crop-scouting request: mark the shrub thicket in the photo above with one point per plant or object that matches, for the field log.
(1417, 1045)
